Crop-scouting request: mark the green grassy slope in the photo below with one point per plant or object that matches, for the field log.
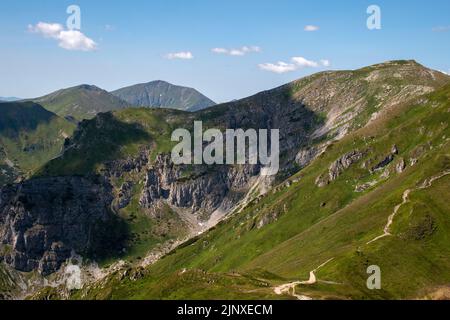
(310, 225)
(29, 137)
(7, 283)
(80, 102)
(160, 94)
(115, 136)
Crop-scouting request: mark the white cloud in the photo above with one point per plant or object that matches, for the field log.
(48, 30)
(279, 67)
(75, 40)
(295, 64)
(237, 52)
(184, 55)
(251, 49)
(219, 50)
(325, 62)
(311, 28)
(304, 63)
(68, 39)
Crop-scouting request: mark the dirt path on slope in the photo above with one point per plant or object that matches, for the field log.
(386, 230)
(289, 288)
(426, 184)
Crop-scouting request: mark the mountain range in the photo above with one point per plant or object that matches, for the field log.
(364, 165)
(85, 101)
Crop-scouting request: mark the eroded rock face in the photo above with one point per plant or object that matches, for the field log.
(125, 194)
(43, 220)
(338, 167)
(387, 160)
(401, 166)
(343, 163)
(305, 156)
(383, 163)
(130, 164)
(197, 188)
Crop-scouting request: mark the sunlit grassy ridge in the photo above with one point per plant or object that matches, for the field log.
(316, 224)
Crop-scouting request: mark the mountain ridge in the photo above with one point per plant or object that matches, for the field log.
(334, 223)
(162, 94)
(344, 135)
(80, 102)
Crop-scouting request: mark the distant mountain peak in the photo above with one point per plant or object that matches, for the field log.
(88, 87)
(80, 102)
(162, 94)
(9, 99)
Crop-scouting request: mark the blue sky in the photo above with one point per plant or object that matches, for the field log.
(134, 39)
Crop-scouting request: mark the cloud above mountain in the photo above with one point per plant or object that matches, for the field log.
(183, 55)
(325, 62)
(278, 67)
(73, 40)
(304, 63)
(296, 63)
(237, 52)
(311, 28)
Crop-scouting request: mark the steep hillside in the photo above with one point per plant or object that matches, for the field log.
(161, 94)
(321, 119)
(80, 102)
(29, 137)
(371, 211)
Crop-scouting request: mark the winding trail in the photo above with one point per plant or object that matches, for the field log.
(289, 288)
(426, 184)
(386, 230)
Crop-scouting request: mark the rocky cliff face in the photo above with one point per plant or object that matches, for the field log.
(197, 188)
(43, 220)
